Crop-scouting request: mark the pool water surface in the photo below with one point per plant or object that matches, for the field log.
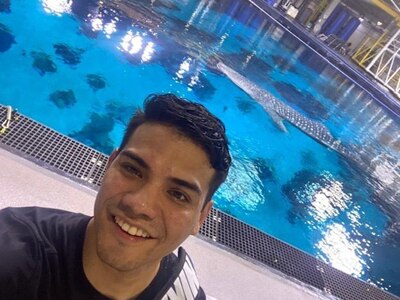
(82, 67)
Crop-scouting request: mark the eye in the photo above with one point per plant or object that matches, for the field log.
(131, 170)
(179, 196)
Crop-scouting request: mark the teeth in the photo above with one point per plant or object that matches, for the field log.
(125, 227)
(132, 230)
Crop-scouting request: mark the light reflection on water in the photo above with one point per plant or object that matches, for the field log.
(183, 71)
(317, 197)
(326, 201)
(243, 186)
(341, 252)
(57, 7)
(340, 245)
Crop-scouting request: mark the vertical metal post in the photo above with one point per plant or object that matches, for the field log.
(368, 68)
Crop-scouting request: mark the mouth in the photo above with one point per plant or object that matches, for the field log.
(131, 230)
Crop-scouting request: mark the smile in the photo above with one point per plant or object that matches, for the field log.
(131, 230)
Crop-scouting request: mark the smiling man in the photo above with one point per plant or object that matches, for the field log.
(156, 192)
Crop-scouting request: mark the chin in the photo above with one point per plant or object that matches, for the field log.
(112, 258)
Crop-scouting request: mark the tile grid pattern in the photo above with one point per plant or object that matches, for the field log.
(46, 146)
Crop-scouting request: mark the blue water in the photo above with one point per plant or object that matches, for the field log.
(81, 68)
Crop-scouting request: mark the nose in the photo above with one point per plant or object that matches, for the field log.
(141, 202)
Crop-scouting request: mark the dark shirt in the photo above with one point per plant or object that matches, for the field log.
(41, 258)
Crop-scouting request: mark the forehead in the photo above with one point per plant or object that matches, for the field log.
(153, 140)
(152, 132)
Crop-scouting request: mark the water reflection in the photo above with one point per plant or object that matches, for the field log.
(134, 43)
(101, 23)
(148, 52)
(57, 7)
(97, 24)
(340, 251)
(331, 206)
(244, 188)
(328, 201)
(183, 68)
(316, 198)
(110, 28)
(183, 71)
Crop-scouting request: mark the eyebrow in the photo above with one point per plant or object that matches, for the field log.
(136, 158)
(186, 184)
(131, 155)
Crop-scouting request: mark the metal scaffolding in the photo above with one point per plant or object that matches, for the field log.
(385, 66)
(369, 49)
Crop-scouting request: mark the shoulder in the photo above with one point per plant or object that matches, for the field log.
(16, 236)
(34, 213)
(19, 250)
(38, 221)
(46, 226)
(23, 229)
(26, 235)
(185, 283)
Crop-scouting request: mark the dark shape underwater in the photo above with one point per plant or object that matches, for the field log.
(203, 89)
(43, 63)
(247, 62)
(63, 99)
(71, 56)
(119, 112)
(244, 105)
(5, 6)
(96, 133)
(284, 65)
(7, 39)
(96, 81)
(302, 99)
(265, 169)
(308, 159)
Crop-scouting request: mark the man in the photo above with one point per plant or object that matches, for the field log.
(156, 192)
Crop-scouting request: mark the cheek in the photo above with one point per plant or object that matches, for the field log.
(110, 186)
(101, 200)
(101, 195)
(97, 203)
(181, 223)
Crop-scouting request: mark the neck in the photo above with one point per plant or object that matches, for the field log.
(115, 284)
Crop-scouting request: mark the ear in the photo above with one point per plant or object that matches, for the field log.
(112, 157)
(203, 215)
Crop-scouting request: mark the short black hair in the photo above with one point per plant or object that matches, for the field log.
(193, 121)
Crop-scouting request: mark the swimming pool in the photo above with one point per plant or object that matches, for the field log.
(81, 67)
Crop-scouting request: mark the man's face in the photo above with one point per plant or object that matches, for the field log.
(151, 198)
